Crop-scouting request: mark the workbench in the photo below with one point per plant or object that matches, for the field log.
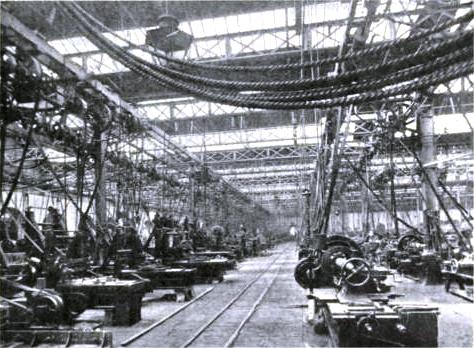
(122, 297)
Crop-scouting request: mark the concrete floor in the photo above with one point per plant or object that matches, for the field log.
(279, 320)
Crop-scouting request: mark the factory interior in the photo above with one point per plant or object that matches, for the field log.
(237, 173)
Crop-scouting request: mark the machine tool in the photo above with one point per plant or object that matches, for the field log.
(38, 305)
(339, 262)
(377, 322)
(177, 252)
(406, 255)
(347, 300)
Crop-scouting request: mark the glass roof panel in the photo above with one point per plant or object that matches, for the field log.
(232, 24)
(73, 45)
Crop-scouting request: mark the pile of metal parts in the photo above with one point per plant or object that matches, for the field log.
(346, 297)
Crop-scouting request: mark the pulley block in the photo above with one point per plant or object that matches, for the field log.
(409, 239)
(47, 306)
(307, 273)
(75, 303)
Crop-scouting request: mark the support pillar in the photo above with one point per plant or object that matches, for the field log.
(100, 148)
(3, 140)
(192, 195)
(365, 207)
(431, 213)
(427, 155)
(306, 195)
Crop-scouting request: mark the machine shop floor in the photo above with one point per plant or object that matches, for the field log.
(279, 319)
(277, 322)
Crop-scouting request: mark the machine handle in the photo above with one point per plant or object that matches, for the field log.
(355, 272)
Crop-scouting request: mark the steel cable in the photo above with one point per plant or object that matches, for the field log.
(248, 101)
(355, 54)
(325, 81)
(363, 86)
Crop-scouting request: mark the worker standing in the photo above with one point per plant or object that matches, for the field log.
(243, 240)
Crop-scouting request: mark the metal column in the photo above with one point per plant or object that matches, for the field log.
(100, 148)
(427, 155)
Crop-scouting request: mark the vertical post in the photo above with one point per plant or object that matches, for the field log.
(342, 212)
(192, 198)
(225, 210)
(100, 174)
(427, 154)
(306, 194)
(3, 137)
(393, 198)
(365, 209)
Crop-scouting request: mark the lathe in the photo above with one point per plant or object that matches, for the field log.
(377, 322)
(177, 252)
(156, 276)
(346, 299)
(338, 261)
(33, 316)
(406, 255)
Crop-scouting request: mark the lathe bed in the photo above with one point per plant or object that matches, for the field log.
(206, 270)
(355, 321)
(180, 280)
(350, 325)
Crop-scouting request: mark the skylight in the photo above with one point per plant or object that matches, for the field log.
(212, 40)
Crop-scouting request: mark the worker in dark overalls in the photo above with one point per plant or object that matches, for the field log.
(193, 234)
(54, 221)
(157, 234)
(48, 231)
(118, 240)
(81, 244)
(133, 243)
(255, 245)
(126, 245)
(32, 230)
(243, 240)
(218, 235)
(185, 224)
(169, 221)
